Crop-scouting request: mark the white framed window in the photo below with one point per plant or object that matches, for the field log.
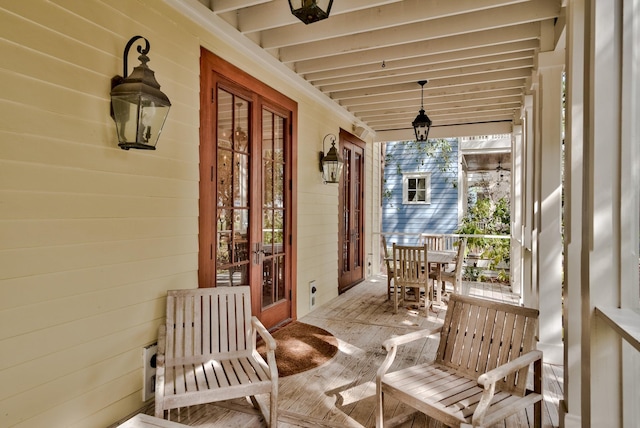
(416, 188)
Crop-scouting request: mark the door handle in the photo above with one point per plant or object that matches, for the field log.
(257, 252)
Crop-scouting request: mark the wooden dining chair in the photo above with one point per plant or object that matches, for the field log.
(454, 276)
(409, 273)
(390, 265)
(433, 242)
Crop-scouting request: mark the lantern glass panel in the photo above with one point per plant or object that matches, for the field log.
(139, 119)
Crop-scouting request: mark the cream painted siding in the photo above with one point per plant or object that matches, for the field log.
(92, 236)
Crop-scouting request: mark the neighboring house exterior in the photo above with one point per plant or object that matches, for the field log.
(420, 190)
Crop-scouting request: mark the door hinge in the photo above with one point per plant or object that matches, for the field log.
(211, 252)
(211, 173)
(290, 240)
(213, 95)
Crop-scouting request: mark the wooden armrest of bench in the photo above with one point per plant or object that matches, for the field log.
(409, 337)
(264, 333)
(492, 376)
(270, 343)
(391, 345)
(488, 381)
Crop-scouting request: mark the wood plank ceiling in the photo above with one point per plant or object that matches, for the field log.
(477, 55)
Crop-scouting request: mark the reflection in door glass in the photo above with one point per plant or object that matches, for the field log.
(273, 212)
(232, 189)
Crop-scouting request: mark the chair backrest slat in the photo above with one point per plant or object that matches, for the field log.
(433, 242)
(411, 265)
(479, 335)
(208, 321)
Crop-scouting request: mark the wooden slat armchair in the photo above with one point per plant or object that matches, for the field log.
(480, 371)
(207, 352)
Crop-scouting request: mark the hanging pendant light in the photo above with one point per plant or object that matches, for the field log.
(310, 11)
(239, 135)
(422, 123)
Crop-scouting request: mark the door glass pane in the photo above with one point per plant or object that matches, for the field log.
(225, 119)
(346, 214)
(232, 189)
(273, 213)
(355, 221)
(225, 186)
(241, 180)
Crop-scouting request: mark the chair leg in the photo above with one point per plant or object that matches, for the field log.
(380, 409)
(273, 411)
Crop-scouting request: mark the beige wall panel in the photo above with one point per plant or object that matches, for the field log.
(28, 234)
(43, 288)
(40, 316)
(28, 177)
(20, 146)
(41, 260)
(36, 205)
(57, 338)
(31, 374)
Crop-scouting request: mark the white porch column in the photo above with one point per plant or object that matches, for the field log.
(610, 373)
(549, 203)
(570, 416)
(516, 210)
(528, 297)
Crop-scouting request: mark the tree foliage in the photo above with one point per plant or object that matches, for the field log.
(488, 218)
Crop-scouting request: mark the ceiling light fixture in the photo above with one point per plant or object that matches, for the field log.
(310, 11)
(422, 123)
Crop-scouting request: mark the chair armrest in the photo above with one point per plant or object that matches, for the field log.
(269, 341)
(391, 345)
(488, 381)
(409, 337)
(270, 344)
(492, 376)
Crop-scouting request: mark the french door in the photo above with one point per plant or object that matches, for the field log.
(351, 209)
(246, 192)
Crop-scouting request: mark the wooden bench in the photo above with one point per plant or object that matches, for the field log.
(207, 352)
(479, 375)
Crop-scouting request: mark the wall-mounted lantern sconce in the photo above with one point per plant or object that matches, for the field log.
(138, 106)
(422, 123)
(331, 164)
(310, 11)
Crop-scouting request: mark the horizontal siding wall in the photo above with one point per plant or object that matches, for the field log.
(91, 236)
(441, 214)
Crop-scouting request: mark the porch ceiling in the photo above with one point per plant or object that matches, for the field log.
(369, 55)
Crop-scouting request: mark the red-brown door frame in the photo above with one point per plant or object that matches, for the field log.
(210, 66)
